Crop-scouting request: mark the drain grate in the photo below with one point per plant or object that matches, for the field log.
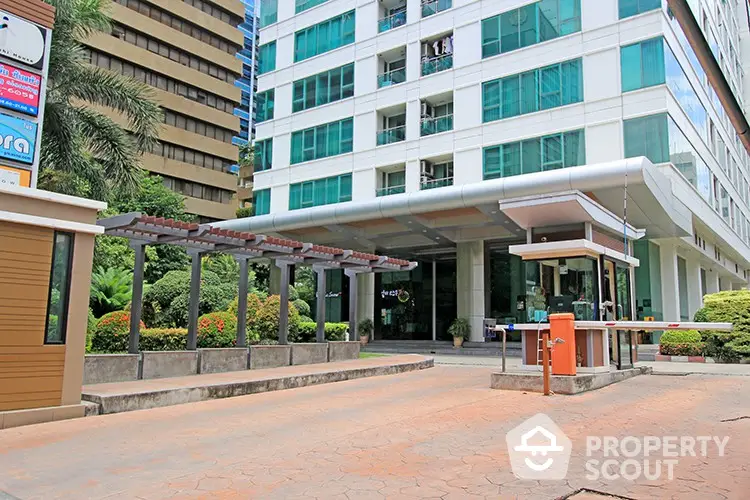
(735, 419)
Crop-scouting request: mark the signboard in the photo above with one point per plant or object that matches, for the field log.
(10, 176)
(21, 40)
(19, 90)
(17, 139)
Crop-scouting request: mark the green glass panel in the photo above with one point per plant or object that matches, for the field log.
(511, 159)
(511, 96)
(528, 28)
(630, 67)
(652, 55)
(572, 82)
(509, 30)
(325, 140)
(295, 196)
(550, 83)
(630, 8)
(575, 148)
(491, 36)
(532, 156)
(264, 102)
(266, 58)
(303, 5)
(492, 162)
(647, 136)
(325, 36)
(268, 12)
(552, 155)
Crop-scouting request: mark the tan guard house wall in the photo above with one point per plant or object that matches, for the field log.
(41, 380)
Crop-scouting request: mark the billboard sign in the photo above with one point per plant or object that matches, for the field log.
(10, 176)
(21, 40)
(17, 139)
(19, 90)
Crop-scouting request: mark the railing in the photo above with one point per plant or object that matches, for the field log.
(436, 183)
(436, 125)
(391, 135)
(436, 64)
(390, 190)
(392, 77)
(392, 21)
(433, 7)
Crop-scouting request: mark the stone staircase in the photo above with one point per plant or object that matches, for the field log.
(513, 349)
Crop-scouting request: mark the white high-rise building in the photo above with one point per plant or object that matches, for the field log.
(497, 142)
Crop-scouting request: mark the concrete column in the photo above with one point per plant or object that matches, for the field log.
(470, 286)
(353, 296)
(712, 281)
(137, 297)
(670, 289)
(365, 296)
(195, 298)
(320, 305)
(695, 291)
(274, 278)
(284, 306)
(242, 303)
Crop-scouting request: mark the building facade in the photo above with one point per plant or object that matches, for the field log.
(248, 83)
(186, 50)
(457, 131)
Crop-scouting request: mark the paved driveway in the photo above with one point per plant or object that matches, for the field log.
(438, 433)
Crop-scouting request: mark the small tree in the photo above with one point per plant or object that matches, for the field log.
(267, 320)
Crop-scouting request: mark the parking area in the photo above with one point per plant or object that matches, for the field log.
(437, 433)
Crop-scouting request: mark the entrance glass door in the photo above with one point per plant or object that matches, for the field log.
(617, 306)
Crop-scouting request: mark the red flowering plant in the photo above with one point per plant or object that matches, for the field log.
(217, 329)
(111, 332)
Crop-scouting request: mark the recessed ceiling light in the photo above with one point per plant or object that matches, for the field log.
(493, 212)
(424, 230)
(507, 222)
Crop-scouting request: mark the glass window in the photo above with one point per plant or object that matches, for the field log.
(264, 103)
(630, 8)
(323, 37)
(59, 288)
(266, 58)
(262, 202)
(263, 158)
(325, 140)
(268, 12)
(642, 64)
(302, 5)
(535, 155)
(562, 285)
(323, 88)
(326, 191)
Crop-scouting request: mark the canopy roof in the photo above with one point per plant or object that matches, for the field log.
(205, 238)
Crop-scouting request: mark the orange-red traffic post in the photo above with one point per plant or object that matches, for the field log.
(545, 362)
(563, 334)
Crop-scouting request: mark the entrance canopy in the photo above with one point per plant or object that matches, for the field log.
(199, 239)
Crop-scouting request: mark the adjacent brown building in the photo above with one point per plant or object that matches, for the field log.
(185, 49)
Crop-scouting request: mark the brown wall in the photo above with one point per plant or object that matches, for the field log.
(35, 11)
(31, 373)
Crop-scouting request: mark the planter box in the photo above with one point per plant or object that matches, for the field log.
(232, 359)
(309, 354)
(342, 351)
(103, 368)
(163, 364)
(269, 356)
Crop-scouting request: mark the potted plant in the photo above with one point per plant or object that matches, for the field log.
(365, 328)
(460, 330)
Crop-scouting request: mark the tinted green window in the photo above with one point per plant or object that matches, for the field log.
(318, 192)
(634, 7)
(649, 137)
(263, 159)
(59, 288)
(325, 140)
(266, 58)
(264, 106)
(323, 37)
(329, 86)
(642, 64)
(540, 154)
(303, 5)
(543, 88)
(268, 12)
(262, 202)
(529, 25)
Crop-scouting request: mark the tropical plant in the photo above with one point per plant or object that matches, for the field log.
(365, 327)
(727, 307)
(266, 323)
(84, 152)
(217, 329)
(111, 290)
(242, 212)
(460, 328)
(111, 332)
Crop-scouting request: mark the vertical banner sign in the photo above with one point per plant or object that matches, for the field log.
(19, 90)
(17, 139)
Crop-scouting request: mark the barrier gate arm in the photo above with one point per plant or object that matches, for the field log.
(624, 325)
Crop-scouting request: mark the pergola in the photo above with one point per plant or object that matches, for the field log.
(200, 239)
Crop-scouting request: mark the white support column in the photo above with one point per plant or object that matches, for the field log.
(695, 290)
(470, 286)
(366, 297)
(712, 281)
(670, 288)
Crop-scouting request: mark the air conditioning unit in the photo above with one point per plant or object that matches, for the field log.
(426, 110)
(427, 170)
(427, 50)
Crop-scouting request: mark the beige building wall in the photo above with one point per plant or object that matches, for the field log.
(158, 37)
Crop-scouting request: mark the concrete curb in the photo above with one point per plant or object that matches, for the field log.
(563, 384)
(118, 403)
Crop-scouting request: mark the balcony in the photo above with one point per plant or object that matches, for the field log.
(437, 64)
(436, 183)
(391, 135)
(436, 125)
(433, 7)
(392, 21)
(393, 77)
(387, 191)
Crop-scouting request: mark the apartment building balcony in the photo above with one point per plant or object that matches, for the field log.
(436, 173)
(391, 135)
(392, 67)
(393, 77)
(391, 125)
(389, 190)
(437, 64)
(391, 180)
(431, 7)
(436, 125)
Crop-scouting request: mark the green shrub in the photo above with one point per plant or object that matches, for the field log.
(726, 307)
(266, 325)
(111, 332)
(681, 343)
(681, 337)
(218, 329)
(306, 319)
(90, 327)
(334, 331)
(302, 307)
(163, 339)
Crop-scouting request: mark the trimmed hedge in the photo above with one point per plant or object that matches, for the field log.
(218, 329)
(727, 307)
(334, 331)
(163, 339)
(681, 343)
(111, 332)
(266, 324)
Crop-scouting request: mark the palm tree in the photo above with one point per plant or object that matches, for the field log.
(111, 290)
(84, 152)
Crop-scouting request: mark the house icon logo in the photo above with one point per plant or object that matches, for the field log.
(539, 450)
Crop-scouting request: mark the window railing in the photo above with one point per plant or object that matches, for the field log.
(386, 191)
(430, 7)
(392, 77)
(391, 135)
(436, 64)
(436, 183)
(436, 125)
(392, 21)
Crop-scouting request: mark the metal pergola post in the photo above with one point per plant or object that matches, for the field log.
(136, 306)
(320, 305)
(284, 306)
(242, 303)
(352, 275)
(195, 297)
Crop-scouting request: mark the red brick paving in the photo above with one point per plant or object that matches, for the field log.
(438, 433)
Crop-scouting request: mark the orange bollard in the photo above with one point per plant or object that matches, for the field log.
(562, 327)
